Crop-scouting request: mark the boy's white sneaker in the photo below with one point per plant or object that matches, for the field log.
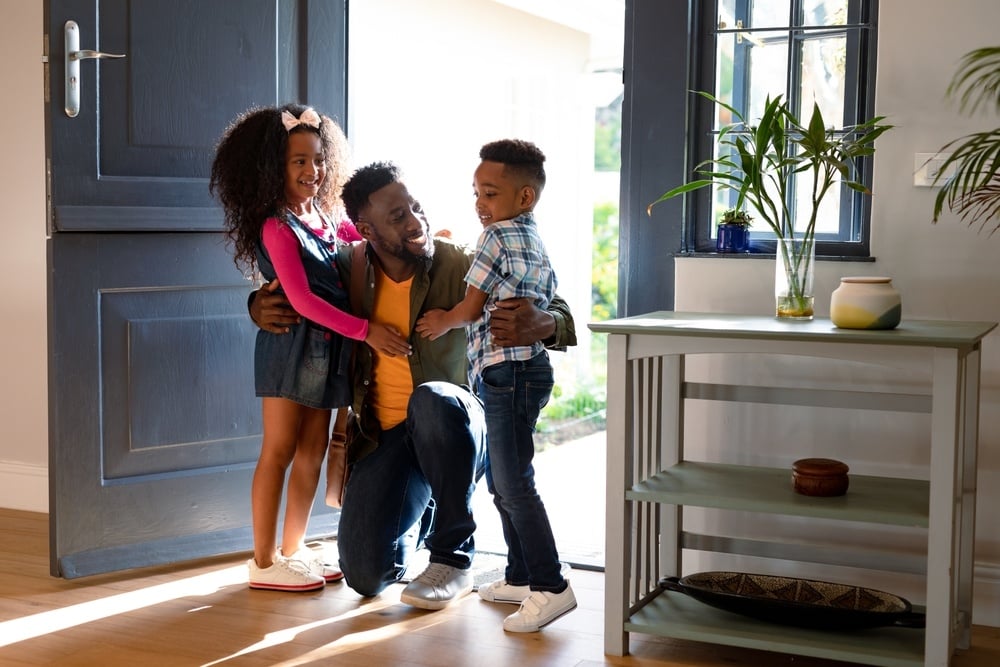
(284, 575)
(539, 609)
(501, 591)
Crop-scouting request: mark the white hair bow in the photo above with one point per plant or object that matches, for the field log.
(308, 117)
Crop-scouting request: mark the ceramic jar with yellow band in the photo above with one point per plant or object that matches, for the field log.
(865, 302)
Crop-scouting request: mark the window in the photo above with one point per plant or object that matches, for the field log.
(807, 51)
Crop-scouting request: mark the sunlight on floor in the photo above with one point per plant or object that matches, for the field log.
(36, 625)
(343, 644)
(207, 584)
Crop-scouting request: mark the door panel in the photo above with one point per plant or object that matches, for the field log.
(154, 427)
(148, 123)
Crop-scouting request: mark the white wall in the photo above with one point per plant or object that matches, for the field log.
(944, 271)
(23, 390)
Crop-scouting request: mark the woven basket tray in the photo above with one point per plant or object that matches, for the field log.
(800, 602)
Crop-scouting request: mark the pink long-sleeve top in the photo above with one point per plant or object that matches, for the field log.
(283, 248)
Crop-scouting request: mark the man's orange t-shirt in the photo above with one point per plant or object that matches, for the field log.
(392, 381)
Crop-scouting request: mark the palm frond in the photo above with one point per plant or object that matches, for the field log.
(977, 81)
(972, 191)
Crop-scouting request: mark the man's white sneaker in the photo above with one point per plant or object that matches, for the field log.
(539, 609)
(501, 591)
(284, 575)
(437, 587)
(316, 564)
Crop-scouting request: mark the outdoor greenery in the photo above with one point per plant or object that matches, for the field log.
(579, 410)
(605, 266)
(574, 414)
(607, 137)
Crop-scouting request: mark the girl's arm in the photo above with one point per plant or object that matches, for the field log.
(283, 247)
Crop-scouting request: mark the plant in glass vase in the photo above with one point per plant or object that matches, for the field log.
(760, 163)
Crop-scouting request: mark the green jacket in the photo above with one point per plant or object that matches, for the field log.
(438, 283)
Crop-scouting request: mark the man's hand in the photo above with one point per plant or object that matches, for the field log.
(520, 322)
(272, 312)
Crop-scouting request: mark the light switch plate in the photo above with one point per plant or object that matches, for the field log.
(928, 166)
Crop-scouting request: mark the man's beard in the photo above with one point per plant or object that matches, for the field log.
(404, 251)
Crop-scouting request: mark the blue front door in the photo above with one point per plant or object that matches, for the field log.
(154, 427)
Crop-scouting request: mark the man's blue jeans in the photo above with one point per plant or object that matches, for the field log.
(513, 393)
(416, 486)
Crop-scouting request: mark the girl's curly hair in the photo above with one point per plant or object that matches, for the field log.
(248, 173)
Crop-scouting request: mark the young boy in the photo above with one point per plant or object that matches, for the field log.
(514, 383)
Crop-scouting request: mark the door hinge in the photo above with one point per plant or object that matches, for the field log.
(45, 68)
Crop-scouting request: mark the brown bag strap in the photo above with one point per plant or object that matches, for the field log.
(340, 426)
(356, 290)
(358, 262)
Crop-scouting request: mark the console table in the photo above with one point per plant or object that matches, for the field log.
(649, 480)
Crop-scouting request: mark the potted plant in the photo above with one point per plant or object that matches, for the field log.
(733, 231)
(973, 191)
(758, 162)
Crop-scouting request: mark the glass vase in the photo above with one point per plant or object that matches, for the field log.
(795, 260)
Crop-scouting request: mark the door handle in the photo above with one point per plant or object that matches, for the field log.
(73, 57)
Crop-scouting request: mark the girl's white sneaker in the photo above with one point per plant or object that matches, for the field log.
(314, 561)
(284, 575)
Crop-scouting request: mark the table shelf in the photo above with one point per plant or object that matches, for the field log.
(679, 616)
(884, 500)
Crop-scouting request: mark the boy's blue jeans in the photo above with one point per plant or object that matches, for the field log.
(513, 393)
(416, 486)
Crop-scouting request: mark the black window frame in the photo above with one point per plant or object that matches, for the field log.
(854, 237)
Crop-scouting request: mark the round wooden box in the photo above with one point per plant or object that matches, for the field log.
(820, 477)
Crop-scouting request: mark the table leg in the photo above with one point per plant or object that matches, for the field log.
(946, 396)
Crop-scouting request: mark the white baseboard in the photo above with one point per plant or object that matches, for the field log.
(24, 487)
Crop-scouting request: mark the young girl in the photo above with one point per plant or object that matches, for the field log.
(278, 173)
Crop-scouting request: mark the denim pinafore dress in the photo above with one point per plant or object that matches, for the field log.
(310, 364)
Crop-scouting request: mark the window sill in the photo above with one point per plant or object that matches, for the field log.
(764, 255)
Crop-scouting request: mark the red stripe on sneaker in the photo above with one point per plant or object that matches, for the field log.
(288, 588)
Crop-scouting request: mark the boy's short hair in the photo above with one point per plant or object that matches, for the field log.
(523, 157)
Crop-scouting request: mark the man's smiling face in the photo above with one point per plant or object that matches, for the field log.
(396, 224)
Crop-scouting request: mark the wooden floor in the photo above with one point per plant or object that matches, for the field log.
(204, 614)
